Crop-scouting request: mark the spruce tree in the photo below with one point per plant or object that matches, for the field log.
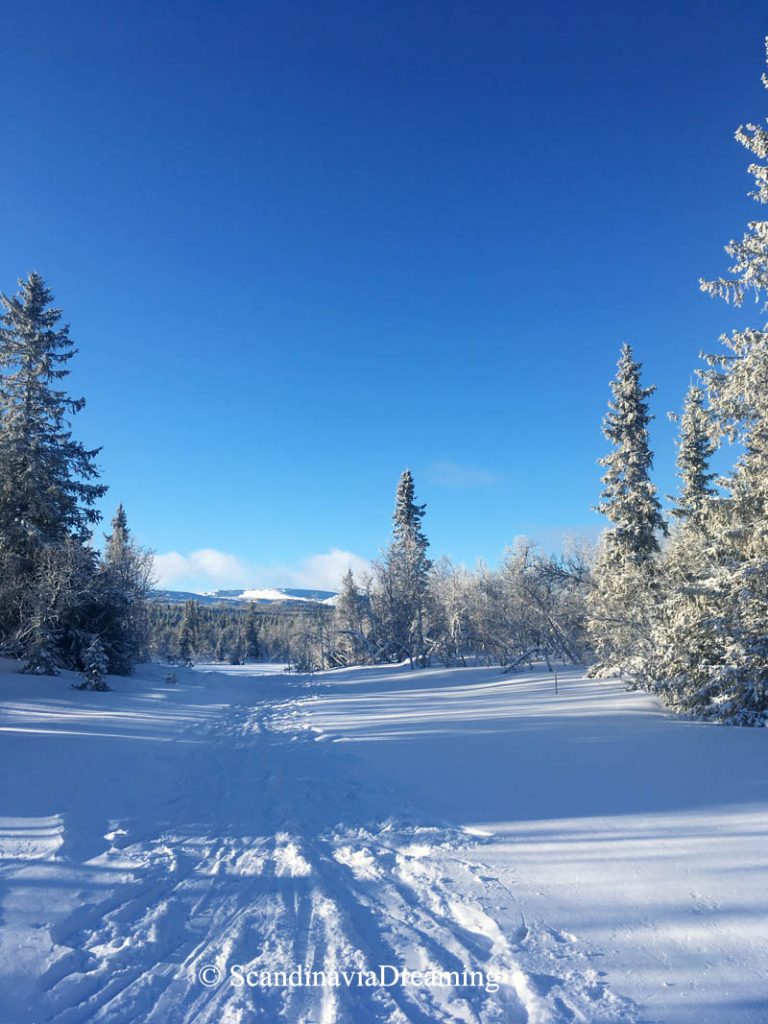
(48, 480)
(125, 578)
(629, 498)
(50, 492)
(623, 599)
(695, 448)
(718, 618)
(682, 633)
(404, 577)
(237, 651)
(95, 666)
(187, 638)
(41, 649)
(250, 633)
(219, 651)
(118, 542)
(350, 644)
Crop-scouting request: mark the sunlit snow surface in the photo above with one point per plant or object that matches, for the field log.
(608, 860)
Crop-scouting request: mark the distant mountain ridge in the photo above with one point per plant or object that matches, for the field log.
(260, 595)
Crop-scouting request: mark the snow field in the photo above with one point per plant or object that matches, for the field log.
(376, 817)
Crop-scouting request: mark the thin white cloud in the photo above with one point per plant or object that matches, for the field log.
(169, 568)
(324, 572)
(451, 474)
(209, 569)
(213, 569)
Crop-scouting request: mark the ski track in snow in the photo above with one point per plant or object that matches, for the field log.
(296, 892)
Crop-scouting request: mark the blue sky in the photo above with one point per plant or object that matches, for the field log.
(303, 246)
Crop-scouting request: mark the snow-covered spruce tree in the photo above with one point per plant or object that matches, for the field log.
(684, 634)
(125, 580)
(47, 479)
(682, 631)
(95, 665)
(622, 600)
(726, 614)
(41, 646)
(187, 638)
(350, 646)
(237, 650)
(695, 448)
(403, 579)
(220, 650)
(250, 633)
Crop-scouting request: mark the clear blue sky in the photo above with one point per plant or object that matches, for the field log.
(304, 245)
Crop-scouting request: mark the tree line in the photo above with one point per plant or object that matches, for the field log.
(407, 609)
(681, 608)
(62, 603)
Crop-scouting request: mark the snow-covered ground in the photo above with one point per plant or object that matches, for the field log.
(596, 858)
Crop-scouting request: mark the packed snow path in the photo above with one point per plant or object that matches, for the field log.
(605, 861)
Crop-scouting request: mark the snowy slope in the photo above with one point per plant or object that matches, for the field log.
(605, 861)
(260, 595)
(267, 595)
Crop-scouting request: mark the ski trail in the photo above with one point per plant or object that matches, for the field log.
(346, 898)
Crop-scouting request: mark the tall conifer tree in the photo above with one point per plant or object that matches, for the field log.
(622, 601)
(188, 633)
(351, 645)
(695, 448)
(48, 489)
(125, 578)
(720, 615)
(629, 498)
(405, 576)
(250, 633)
(48, 480)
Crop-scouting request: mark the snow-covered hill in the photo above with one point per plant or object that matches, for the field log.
(261, 595)
(553, 857)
